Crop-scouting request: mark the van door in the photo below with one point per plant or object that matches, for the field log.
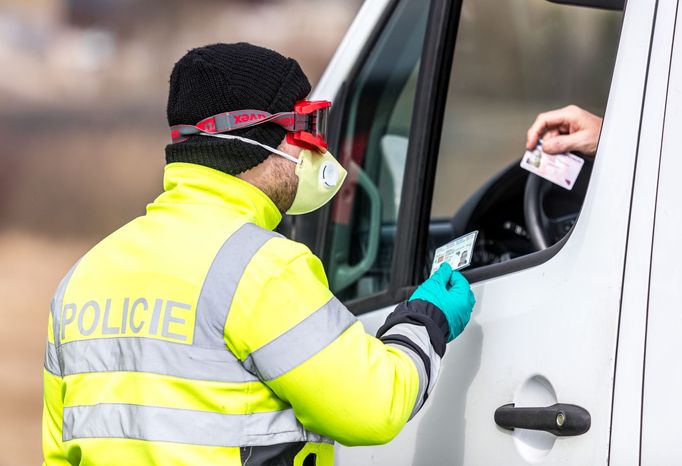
(545, 327)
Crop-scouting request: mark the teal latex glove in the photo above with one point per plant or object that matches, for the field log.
(450, 292)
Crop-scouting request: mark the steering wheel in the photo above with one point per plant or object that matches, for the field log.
(542, 229)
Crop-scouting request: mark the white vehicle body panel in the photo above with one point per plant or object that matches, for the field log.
(663, 370)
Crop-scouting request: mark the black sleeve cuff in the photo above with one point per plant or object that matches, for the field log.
(420, 312)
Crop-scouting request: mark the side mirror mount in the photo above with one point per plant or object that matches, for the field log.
(603, 4)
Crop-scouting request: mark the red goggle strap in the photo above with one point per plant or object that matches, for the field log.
(305, 125)
(229, 121)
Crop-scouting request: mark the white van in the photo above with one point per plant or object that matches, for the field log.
(578, 313)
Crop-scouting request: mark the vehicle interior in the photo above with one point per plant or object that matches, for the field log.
(516, 213)
(499, 81)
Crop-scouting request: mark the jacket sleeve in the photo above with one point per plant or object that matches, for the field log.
(53, 450)
(315, 355)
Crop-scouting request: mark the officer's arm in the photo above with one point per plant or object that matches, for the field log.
(308, 348)
(53, 450)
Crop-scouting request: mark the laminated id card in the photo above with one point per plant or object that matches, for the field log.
(562, 169)
(457, 252)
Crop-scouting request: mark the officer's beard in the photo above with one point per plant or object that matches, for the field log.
(279, 181)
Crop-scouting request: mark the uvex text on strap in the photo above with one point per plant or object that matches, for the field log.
(306, 126)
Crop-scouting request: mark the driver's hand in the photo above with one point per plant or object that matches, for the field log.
(568, 129)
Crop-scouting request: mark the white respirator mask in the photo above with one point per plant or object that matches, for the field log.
(320, 175)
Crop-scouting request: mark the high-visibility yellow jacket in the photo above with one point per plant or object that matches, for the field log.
(194, 335)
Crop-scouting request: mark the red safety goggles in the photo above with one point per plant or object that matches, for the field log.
(306, 126)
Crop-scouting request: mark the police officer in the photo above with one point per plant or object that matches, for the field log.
(196, 335)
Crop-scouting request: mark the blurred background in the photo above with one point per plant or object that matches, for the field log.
(83, 86)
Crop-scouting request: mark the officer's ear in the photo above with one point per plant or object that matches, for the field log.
(290, 149)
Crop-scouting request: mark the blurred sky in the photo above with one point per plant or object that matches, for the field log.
(83, 86)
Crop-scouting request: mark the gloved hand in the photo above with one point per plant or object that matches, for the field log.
(450, 292)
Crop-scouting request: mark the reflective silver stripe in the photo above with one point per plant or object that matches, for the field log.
(136, 354)
(221, 283)
(183, 426)
(58, 302)
(418, 335)
(51, 359)
(301, 342)
(56, 309)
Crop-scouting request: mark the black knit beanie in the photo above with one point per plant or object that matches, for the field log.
(225, 77)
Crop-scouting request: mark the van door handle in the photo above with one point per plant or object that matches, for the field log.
(559, 419)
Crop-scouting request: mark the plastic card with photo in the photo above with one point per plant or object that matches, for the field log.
(561, 169)
(457, 252)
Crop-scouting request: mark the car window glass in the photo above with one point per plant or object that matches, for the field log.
(513, 60)
(373, 148)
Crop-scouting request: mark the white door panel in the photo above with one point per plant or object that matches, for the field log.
(663, 371)
(555, 322)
